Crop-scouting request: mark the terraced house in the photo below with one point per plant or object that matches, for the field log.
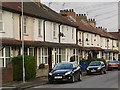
(117, 35)
(47, 35)
(51, 37)
(96, 42)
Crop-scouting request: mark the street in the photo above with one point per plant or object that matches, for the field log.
(109, 80)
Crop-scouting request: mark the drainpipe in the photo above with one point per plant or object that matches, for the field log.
(44, 29)
(59, 32)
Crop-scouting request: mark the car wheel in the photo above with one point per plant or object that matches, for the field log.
(50, 81)
(73, 79)
(102, 72)
(80, 77)
(105, 71)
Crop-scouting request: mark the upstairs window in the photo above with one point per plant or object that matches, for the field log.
(24, 24)
(72, 33)
(1, 23)
(39, 27)
(54, 30)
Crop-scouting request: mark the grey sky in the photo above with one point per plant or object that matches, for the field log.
(105, 13)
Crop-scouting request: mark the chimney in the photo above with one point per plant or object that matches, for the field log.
(37, 2)
(92, 22)
(82, 17)
(68, 12)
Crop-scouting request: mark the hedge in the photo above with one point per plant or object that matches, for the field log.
(30, 68)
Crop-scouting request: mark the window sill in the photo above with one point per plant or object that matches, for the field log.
(39, 35)
(26, 34)
(54, 38)
(2, 32)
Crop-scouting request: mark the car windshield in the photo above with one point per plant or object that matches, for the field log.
(63, 66)
(95, 64)
(116, 62)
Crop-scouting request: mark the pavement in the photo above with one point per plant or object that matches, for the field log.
(28, 84)
(24, 85)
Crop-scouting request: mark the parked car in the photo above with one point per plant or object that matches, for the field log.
(96, 67)
(67, 71)
(114, 65)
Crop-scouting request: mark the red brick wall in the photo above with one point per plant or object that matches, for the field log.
(7, 75)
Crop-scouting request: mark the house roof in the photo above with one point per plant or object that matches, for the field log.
(86, 27)
(39, 11)
(9, 42)
(110, 50)
(115, 34)
(50, 44)
(92, 48)
(14, 42)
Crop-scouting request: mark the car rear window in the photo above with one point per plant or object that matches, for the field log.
(94, 64)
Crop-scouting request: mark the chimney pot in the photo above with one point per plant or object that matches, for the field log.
(69, 10)
(72, 10)
(119, 30)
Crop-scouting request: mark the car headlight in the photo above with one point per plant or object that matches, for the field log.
(99, 68)
(50, 74)
(67, 73)
(87, 68)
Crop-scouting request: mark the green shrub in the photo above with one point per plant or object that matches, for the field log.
(41, 66)
(30, 69)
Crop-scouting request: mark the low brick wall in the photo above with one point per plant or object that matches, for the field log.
(42, 72)
(7, 75)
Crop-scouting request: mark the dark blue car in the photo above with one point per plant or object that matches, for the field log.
(68, 71)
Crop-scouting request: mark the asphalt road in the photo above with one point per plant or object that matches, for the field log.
(109, 80)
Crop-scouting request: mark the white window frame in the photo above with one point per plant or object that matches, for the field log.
(28, 51)
(1, 21)
(54, 29)
(25, 24)
(72, 33)
(42, 56)
(63, 54)
(4, 57)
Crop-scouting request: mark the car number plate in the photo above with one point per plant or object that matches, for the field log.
(58, 77)
(93, 70)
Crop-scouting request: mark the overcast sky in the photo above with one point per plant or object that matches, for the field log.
(105, 13)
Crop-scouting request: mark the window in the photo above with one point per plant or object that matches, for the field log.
(62, 29)
(1, 23)
(91, 39)
(72, 33)
(54, 30)
(39, 27)
(24, 24)
(29, 51)
(43, 55)
(63, 55)
(4, 57)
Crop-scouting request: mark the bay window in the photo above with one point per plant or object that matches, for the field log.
(4, 56)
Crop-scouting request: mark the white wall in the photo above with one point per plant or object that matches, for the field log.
(67, 31)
